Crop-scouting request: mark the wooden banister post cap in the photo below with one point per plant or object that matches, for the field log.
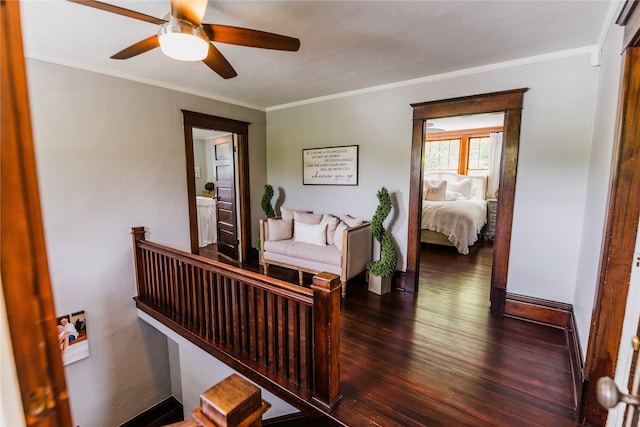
(233, 401)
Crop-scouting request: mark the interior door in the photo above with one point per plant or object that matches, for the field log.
(225, 183)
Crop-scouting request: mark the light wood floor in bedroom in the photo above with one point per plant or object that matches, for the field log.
(439, 358)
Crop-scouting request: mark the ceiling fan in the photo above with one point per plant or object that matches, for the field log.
(184, 36)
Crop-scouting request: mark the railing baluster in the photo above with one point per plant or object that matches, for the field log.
(255, 319)
(295, 326)
(246, 316)
(285, 337)
(308, 343)
(265, 328)
(206, 283)
(274, 329)
(217, 312)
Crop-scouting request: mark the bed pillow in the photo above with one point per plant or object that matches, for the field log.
(287, 213)
(463, 187)
(307, 217)
(315, 234)
(331, 222)
(351, 221)
(454, 195)
(339, 235)
(279, 229)
(435, 191)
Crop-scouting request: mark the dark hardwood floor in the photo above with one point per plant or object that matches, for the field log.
(439, 358)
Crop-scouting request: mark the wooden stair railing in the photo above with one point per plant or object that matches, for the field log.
(283, 336)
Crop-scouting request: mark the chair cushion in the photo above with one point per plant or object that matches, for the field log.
(321, 254)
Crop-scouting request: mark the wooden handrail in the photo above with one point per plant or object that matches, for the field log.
(285, 332)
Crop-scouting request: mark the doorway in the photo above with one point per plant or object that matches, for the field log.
(461, 177)
(508, 102)
(233, 213)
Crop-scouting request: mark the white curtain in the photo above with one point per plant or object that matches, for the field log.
(495, 155)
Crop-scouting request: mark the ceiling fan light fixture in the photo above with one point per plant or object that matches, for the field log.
(431, 129)
(183, 41)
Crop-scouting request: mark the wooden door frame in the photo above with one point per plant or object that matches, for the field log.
(26, 285)
(620, 230)
(241, 130)
(509, 102)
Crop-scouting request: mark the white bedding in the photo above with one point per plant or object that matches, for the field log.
(459, 220)
(206, 209)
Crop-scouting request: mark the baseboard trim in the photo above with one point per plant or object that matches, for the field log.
(399, 280)
(546, 312)
(557, 315)
(166, 412)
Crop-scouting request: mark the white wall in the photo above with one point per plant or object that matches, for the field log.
(599, 181)
(200, 160)
(552, 173)
(110, 155)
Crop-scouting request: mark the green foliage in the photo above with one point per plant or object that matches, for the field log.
(266, 206)
(209, 186)
(266, 201)
(386, 266)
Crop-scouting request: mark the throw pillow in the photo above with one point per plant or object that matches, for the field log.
(435, 191)
(338, 236)
(351, 221)
(463, 187)
(307, 217)
(286, 213)
(331, 222)
(279, 229)
(315, 234)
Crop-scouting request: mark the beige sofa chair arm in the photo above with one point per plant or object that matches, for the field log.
(356, 250)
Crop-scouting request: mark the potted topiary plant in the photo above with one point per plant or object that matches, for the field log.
(381, 271)
(209, 188)
(265, 204)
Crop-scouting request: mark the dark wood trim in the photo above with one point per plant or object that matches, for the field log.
(454, 134)
(241, 129)
(618, 246)
(557, 315)
(576, 361)
(26, 284)
(546, 312)
(630, 18)
(166, 412)
(504, 215)
(511, 103)
(493, 102)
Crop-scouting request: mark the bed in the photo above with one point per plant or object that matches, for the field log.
(454, 209)
(206, 212)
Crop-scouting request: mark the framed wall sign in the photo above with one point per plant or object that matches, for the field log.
(330, 165)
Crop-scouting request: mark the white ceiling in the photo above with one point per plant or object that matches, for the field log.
(345, 45)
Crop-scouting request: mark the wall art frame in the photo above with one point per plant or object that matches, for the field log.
(330, 165)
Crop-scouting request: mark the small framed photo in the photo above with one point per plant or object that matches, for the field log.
(73, 339)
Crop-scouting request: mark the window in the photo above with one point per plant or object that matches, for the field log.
(465, 152)
(442, 155)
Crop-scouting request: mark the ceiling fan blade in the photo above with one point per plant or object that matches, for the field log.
(251, 38)
(120, 11)
(136, 49)
(218, 63)
(189, 10)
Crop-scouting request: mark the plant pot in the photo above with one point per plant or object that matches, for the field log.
(379, 285)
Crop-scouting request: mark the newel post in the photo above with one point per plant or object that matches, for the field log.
(137, 234)
(326, 339)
